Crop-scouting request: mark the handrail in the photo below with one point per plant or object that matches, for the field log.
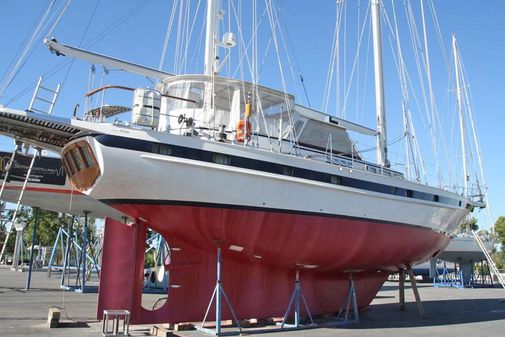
(92, 92)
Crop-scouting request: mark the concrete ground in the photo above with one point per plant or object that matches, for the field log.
(451, 312)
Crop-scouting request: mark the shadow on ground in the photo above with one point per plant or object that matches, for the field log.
(439, 312)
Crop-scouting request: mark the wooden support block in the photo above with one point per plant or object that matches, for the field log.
(53, 318)
(183, 327)
(401, 288)
(416, 292)
(245, 323)
(160, 331)
(168, 326)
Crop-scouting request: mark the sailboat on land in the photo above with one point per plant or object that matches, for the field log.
(215, 162)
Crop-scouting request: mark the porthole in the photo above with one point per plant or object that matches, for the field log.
(336, 180)
(287, 171)
(163, 149)
(221, 159)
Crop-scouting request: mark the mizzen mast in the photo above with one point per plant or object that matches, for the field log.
(379, 85)
(460, 112)
(212, 33)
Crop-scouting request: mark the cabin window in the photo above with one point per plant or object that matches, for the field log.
(76, 159)
(88, 162)
(69, 168)
(222, 159)
(435, 198)
(287, 171)
(336, 180)
(163, 149)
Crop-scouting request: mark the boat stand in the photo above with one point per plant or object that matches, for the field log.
(413, 283)
(78, 256)
(446, 279)
(350, 299)
(218, 292)
(295, 301)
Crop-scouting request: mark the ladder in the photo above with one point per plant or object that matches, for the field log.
(36, 154)
(490, 261)
(49, 102)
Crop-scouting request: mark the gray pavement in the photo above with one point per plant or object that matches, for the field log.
(451, 312)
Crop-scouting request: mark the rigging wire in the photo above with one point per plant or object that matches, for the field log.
(26, 51)
(356, 59)
(82, 38)
(168, 33)
(300, 76)
(93, 41)
(274, 24)
(191, 33)
(475, 138)
(58, 18)
(334, 57)
(408, 123)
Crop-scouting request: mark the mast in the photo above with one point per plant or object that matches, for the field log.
(379, 86)
(460, 112)
(211, 36)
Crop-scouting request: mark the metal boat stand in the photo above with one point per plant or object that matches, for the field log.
(401, 288)
(218, 292)
(349, 299)
(295, 301)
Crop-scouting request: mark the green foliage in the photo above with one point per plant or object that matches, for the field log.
(499, 259)
(7, 214)
(149, 260)
(468, 225)
(47, 230)
(49, 224)
(499, 229)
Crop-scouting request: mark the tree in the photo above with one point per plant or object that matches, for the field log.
(22, 215)
(499, 229)
(468, 225)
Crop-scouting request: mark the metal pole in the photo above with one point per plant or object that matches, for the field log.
(379, 85)
(211, 37)
(34, 237)
(460, 112)
(218, 293)
(67, 253)
(84, 243)
(297, 299)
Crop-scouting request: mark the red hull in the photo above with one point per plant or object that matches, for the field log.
(260, 287)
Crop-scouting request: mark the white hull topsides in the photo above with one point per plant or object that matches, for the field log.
(265, 180)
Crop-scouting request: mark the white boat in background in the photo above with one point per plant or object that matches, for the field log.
(47, 188)
(463, 248)
(208, 161)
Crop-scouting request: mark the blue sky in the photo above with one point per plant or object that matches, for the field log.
(309, 25)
